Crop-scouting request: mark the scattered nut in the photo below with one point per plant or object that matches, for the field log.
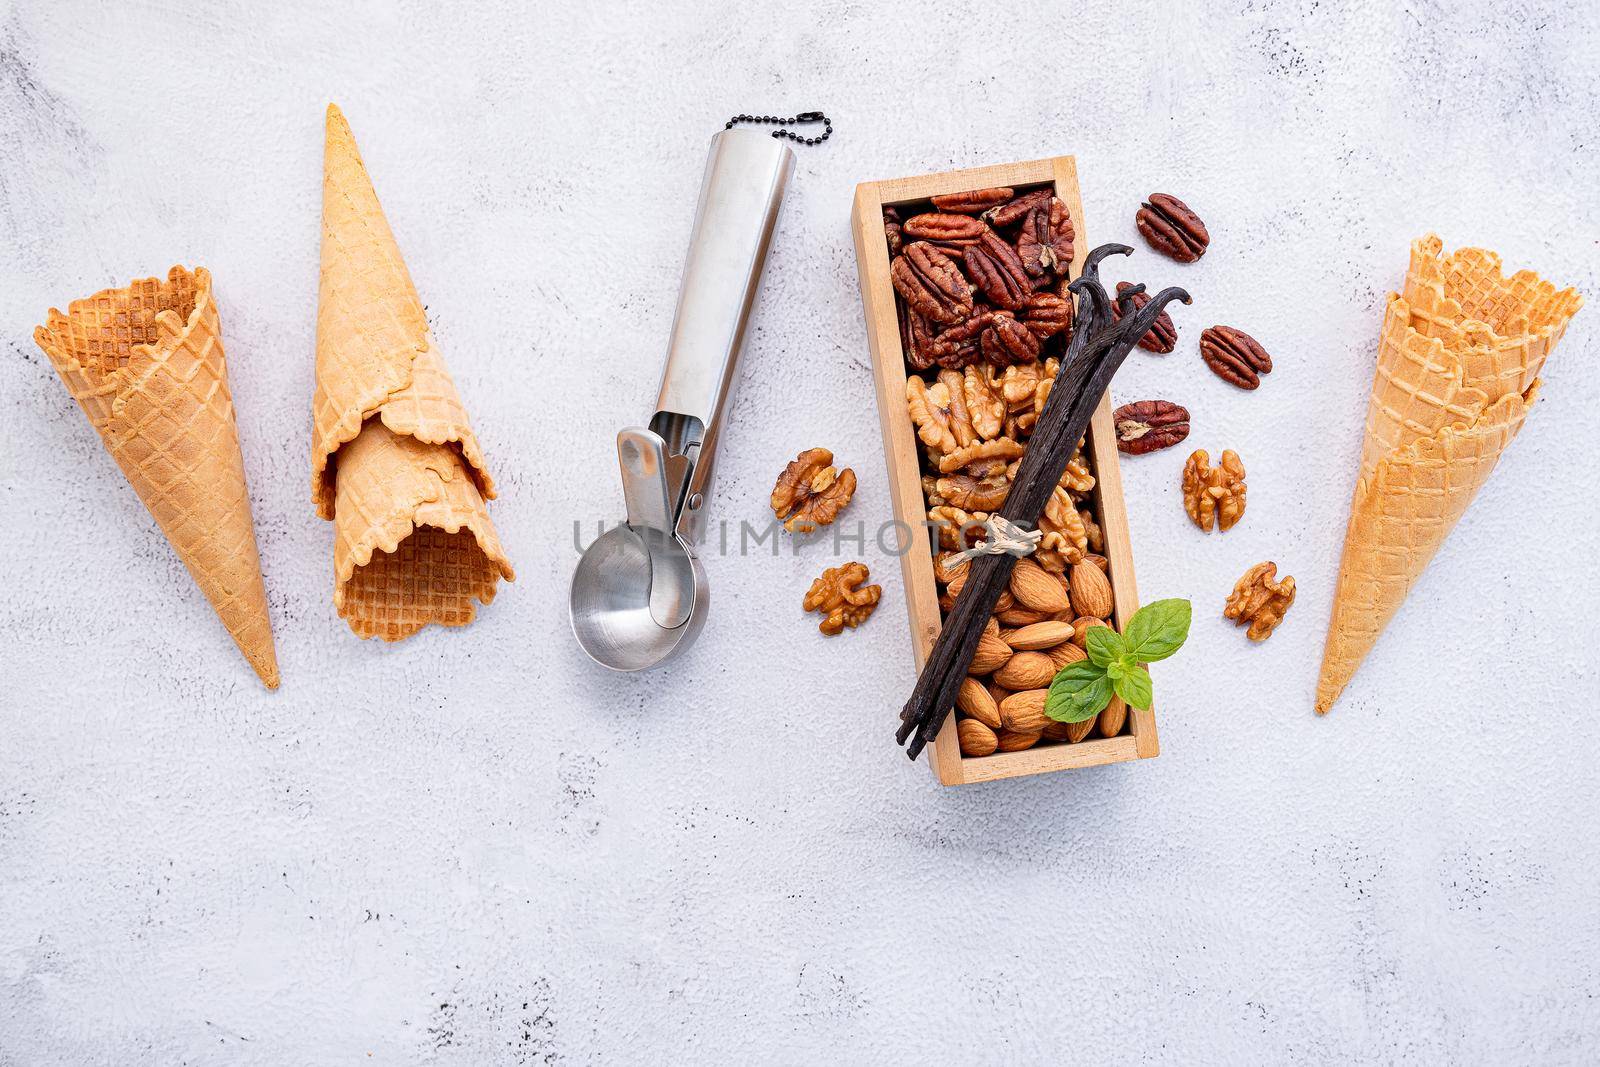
(1234, 356)
(1214, 495)
(975, 738)
(811, 491)
(1260, 601)
(1162, 337)
(1146, 426)
(1172, 228)
(840, 596)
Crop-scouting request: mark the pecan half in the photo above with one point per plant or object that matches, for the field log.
(811, 491)
(1162, 337)
(996, 269)
(1171, 228)
(974, 202)
(1214, 495)
(1008, 341)
(944, 228)
(1235, 356)
(1045, 241)
(892, 232)
(916, 339)
(928, 280)
(1260, 601)
(1013, 212)
(840, 596)
(1146, 426)
(1046, 314)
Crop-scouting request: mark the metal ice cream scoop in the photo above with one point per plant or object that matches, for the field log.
(639, 594)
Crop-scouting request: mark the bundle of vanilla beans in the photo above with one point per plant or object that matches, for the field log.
(1100, 341)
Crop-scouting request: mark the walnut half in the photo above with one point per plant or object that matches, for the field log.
(1214, 495)
(811, 491)
(840, 596)
(1260, 601)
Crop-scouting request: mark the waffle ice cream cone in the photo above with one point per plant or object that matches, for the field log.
(1458, 368)
(145, 363)
(395, 463)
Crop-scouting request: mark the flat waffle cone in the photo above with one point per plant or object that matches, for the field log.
(146, 365)
(1457, 371)
(413, 540)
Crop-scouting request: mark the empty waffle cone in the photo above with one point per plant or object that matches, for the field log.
(1457, 372)
(395, 464)
(145, 363)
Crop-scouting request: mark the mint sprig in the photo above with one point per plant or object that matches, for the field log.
(1115, 664)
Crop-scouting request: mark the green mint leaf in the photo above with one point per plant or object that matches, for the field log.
(1157, 630)
(1104, 645)
(1080, 691)
(1134, 689)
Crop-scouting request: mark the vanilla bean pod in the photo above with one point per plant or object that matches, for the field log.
(1104, 365)
(1094, 354)
(987, 576)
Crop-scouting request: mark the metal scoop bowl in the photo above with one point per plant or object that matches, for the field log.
(639, 594)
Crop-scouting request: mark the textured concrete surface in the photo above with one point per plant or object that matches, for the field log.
(475, 848)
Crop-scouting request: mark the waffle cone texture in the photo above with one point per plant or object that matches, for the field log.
(1459, 358)
(395, 464)
(146, 365)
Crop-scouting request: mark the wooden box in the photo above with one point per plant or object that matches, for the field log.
(1138, 737)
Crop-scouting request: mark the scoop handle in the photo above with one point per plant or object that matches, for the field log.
(739, 199)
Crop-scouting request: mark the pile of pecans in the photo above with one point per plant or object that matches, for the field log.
(984, 313)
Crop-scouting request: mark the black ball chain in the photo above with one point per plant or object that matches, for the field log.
(794, 120)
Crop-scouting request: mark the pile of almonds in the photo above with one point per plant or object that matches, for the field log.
(1000, 707)
(980, 279)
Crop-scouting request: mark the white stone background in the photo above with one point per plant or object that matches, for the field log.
(475, 847)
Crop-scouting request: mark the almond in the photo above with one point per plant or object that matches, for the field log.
(1077, 731)
(1026, 670)
(992, 627)
(1038, 589)
(992, 654)
(1111, 719)
(1091, 591)
(975, 700)
(1098, 560)
(1040, 635)
(1055, 731)
(1081, 627)
(1024, 712)
(975, 738)
(1021, 617)
(1062, 655)
(1005, 601)
(1011, 741)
